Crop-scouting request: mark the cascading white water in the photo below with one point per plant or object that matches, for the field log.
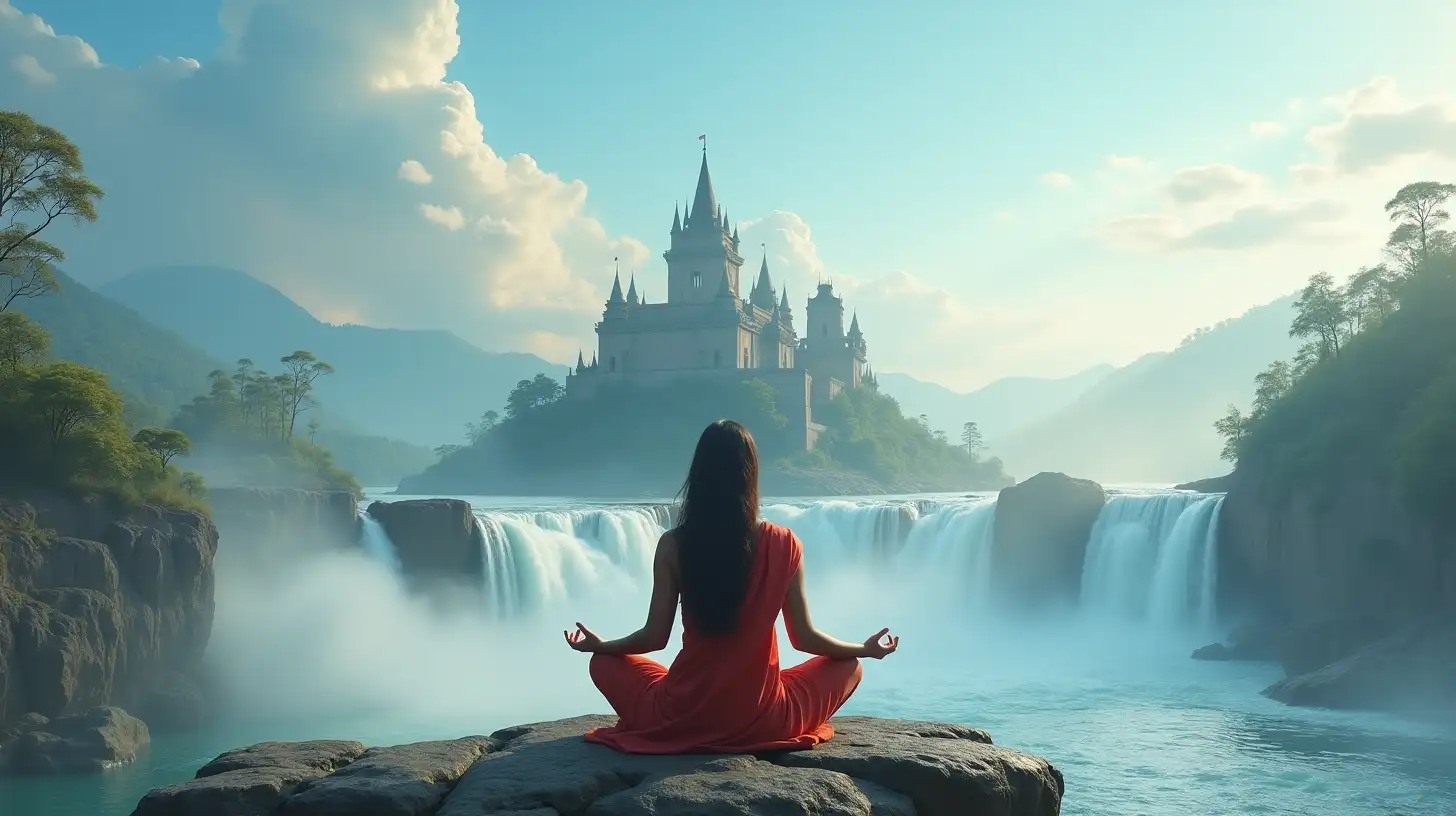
(953, 544)
(1154, 558)
(840, 532)
(375, 543)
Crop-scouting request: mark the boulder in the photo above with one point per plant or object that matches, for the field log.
(1411, 670)
(436, 539)
(99, 601)
(96, 740)
(1040, 540)
(250, 781)
(872, 766)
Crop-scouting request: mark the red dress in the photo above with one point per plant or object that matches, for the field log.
(726, 694)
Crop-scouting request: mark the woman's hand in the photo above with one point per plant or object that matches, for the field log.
(880, 644)
(583, 639)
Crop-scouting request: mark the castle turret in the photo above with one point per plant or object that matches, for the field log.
(786, 316)
(580, 362)
(702, 248)
(676, 222)
(856, 337)
(616, 304)
(632, 292)
(705, 204)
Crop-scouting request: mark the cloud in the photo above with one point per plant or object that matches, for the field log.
(1210, 182)
(1378, 128)
(1056, 180)
(299, 153)
(1247, 228)
(793, 257)
(1266, 130)
(412, 171)
(30, 68)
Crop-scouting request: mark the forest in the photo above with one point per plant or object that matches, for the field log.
(640, 438)
(1372, 390)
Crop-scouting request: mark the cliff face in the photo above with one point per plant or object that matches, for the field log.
(100, 604)
(1316, 553)
(280, 519)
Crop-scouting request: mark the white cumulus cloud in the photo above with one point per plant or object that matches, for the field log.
(283, 156)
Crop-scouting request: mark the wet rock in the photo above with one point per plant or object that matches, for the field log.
(94, 741)
(250, 781)
(1411, 670)
(436, 539)
(872, 766)
(1040, 540)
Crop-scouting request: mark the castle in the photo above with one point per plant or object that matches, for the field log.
(706, 330)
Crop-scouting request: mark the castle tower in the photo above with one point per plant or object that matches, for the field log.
(702, 249)
(825, 316)
(763, 293)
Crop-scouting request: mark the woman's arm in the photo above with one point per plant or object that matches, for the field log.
(802, 633)
(661, 612)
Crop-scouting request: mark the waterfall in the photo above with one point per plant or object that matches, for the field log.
(1154, 558)
(953, 543)
(374, 541)
(837, 532)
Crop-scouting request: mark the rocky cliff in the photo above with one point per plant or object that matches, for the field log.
(277, 521)
(101, 604)
(872, 766)
(1041, 533)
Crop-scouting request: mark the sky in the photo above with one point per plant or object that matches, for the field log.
(997, 189)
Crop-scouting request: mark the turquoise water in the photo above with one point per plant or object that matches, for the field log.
(332, 649)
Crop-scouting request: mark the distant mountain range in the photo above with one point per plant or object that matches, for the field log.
(997, 409)
(1152, 420)
(418, 386)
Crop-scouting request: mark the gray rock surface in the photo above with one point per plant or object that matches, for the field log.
(873, 767)
(436, 539)
(1413, 669)
(96, 740)
(98, 601)
(1040, 540)
(250, 781)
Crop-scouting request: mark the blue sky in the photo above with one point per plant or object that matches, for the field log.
(955, 158)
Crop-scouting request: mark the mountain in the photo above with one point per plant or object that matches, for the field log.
(1152, 420)
(418, 386)
(998, 408)
(141, 360)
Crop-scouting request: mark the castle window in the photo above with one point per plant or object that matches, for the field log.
(611, 364)
(697, 280)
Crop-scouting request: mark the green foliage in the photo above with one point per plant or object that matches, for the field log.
(637, 438)
(164, 443)
(22, 342)
(242, 429)
(41, 181)
(1383, 410)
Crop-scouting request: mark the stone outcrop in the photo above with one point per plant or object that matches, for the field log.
(1040, 540)
(436, 539)
(92, 741)
(872, 766)
(100, 604)
(1413, 669)
(1215, 484)
(267, 522)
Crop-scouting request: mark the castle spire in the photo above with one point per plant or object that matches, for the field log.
(763, 293)
(580, 362)
(854, 325)
(616, 296)
(676, 222)
(632, 291)
(705, 204)
(725, 289)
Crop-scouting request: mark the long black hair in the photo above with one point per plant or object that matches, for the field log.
(717, 527)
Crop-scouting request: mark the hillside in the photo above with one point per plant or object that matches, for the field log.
(998, 408)
(418, 386)
(140, 359)
(1149, 421)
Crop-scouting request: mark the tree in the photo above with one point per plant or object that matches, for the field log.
(971, 439)
(476, 431)
(1231, 427)
(924, 422)
(296, 386)
(1270, 385)
(22, 342)
(41, 180)
(1320, 319)
(66, 397)
(1418, 208)
(1370, 296)
(165, 443)
(532, 393)
(313, 428)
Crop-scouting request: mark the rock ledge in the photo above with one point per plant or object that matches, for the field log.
(871, 767)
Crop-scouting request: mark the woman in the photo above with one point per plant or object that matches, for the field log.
(724, 692)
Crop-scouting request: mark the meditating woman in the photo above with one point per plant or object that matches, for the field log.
(724, 692)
